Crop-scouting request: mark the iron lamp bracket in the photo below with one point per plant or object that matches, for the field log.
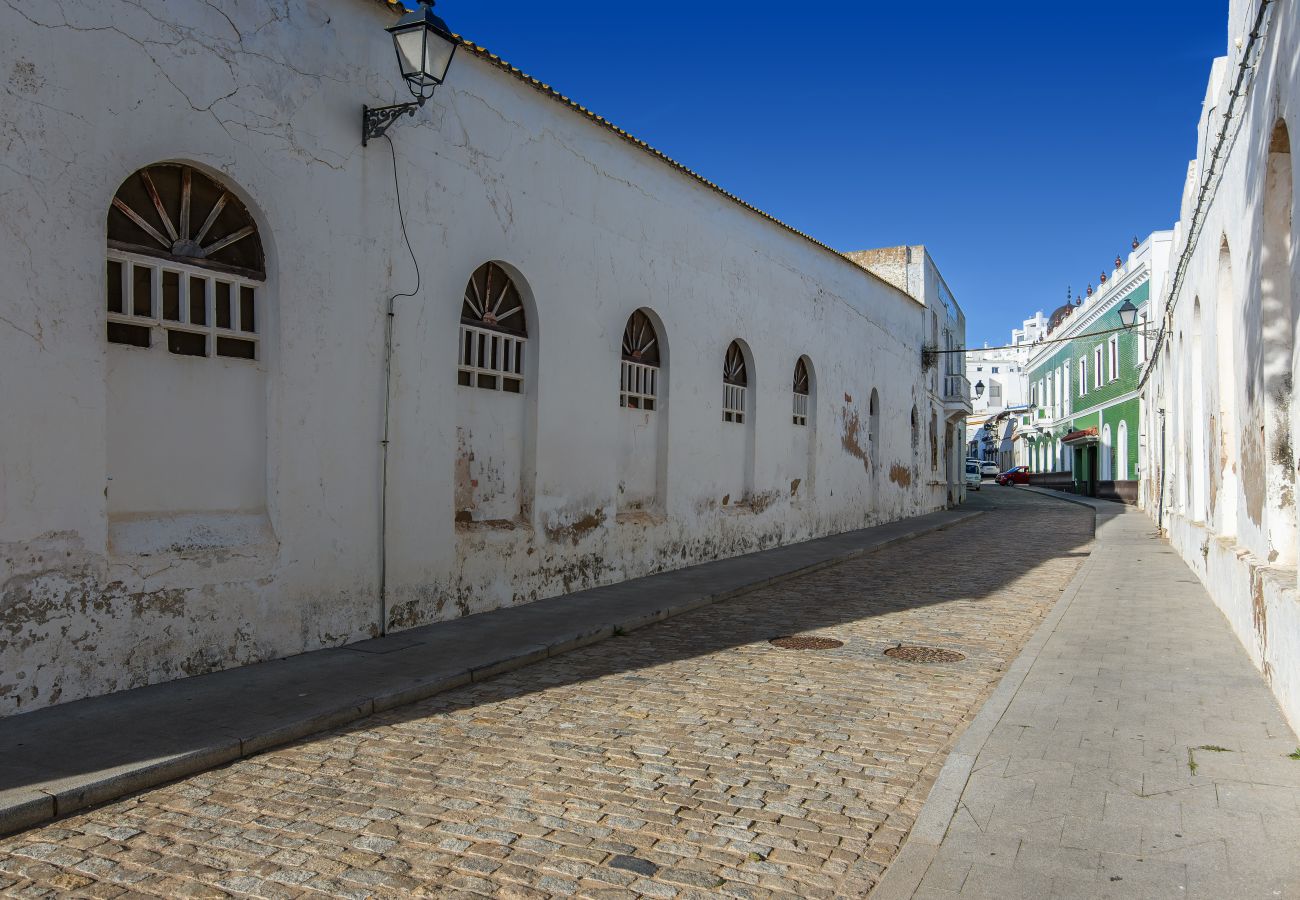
(378, 119)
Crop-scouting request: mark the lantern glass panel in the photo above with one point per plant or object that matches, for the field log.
(437, 57)
(410, 50)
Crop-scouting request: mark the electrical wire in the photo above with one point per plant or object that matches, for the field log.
(1041, 342)
(388, 383)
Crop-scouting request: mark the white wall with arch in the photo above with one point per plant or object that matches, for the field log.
(504, 478)
(1220, 475)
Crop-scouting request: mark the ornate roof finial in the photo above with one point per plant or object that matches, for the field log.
(1103, 277)
(1136, 242)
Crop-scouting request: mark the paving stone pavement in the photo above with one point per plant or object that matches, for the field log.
(1143, 756)
(691, 758)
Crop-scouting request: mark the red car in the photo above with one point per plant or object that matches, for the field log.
(1014, 475)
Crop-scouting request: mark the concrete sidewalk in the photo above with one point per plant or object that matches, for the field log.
(57, 760)
(1131, 751)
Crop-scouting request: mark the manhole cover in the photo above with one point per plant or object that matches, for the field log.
(803, 642)
(924, 654)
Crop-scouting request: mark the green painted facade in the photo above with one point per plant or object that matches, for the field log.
(1110, 406)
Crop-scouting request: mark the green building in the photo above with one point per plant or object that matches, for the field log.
(1084, 427)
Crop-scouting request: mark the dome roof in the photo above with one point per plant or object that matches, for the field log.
(1059, 315)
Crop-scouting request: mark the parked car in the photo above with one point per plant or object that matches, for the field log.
(973, 477)
(989, 468)
(1014, 475)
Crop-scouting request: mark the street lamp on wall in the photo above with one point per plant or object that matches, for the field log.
(1128, 314)
(424, 46)
(979, 389)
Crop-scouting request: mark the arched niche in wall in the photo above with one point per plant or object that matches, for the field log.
(643, 417)
(1198, 470)
(1226, 325)
(800, 467)
(736, 438)
(496, 375)
(1277, 325)
(187, 313)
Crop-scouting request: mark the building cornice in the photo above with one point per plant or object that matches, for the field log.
(1098, 308)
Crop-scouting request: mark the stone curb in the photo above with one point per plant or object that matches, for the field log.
(903, 875)
(36, 804)
(1057, 495)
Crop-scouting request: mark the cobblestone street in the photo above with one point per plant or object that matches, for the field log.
(691, 758)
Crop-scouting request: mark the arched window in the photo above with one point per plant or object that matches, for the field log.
(801, 388)
(185, 433)
(1121, 467)
(1107, 454)
(184, 261)
(934, 439)
(735, 382)
(638, 384)
(493, 332)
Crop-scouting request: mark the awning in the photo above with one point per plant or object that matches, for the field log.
(1086, 436)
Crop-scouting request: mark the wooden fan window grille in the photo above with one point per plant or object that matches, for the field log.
(735, 382)
(638, 383)
(493, 332)
(800, 411)
(184, 263)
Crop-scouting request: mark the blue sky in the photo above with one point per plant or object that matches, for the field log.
(1023, 143)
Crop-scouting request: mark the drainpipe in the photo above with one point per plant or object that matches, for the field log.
(390, 312)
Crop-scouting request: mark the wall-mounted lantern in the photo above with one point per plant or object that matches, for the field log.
(425, 46)
(979, 389)
(1128, 314)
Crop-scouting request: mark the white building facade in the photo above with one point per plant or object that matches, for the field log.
(601, 366)
(1219, 459)
(999, 383)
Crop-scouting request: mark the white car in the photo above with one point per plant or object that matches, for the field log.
(973, 476)
(990, 468)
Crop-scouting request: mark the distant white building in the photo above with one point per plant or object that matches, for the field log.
(1001, 371)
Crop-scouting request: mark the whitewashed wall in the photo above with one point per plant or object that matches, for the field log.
(266, 97)
(1225, 451)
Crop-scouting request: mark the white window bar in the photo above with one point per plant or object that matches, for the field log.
(491, 359)
(733, 402)
(638, 385)
(800, 408)
(197, 312)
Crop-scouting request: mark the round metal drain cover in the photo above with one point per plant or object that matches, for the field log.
(803, 642)
(924, 654)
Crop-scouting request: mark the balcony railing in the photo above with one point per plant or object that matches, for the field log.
(956, 389)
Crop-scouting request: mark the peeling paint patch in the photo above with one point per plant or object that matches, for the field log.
(850, 438)
(900, 475)
(762, 500)
(1253, 477)
(576, 529)
(794, 486)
